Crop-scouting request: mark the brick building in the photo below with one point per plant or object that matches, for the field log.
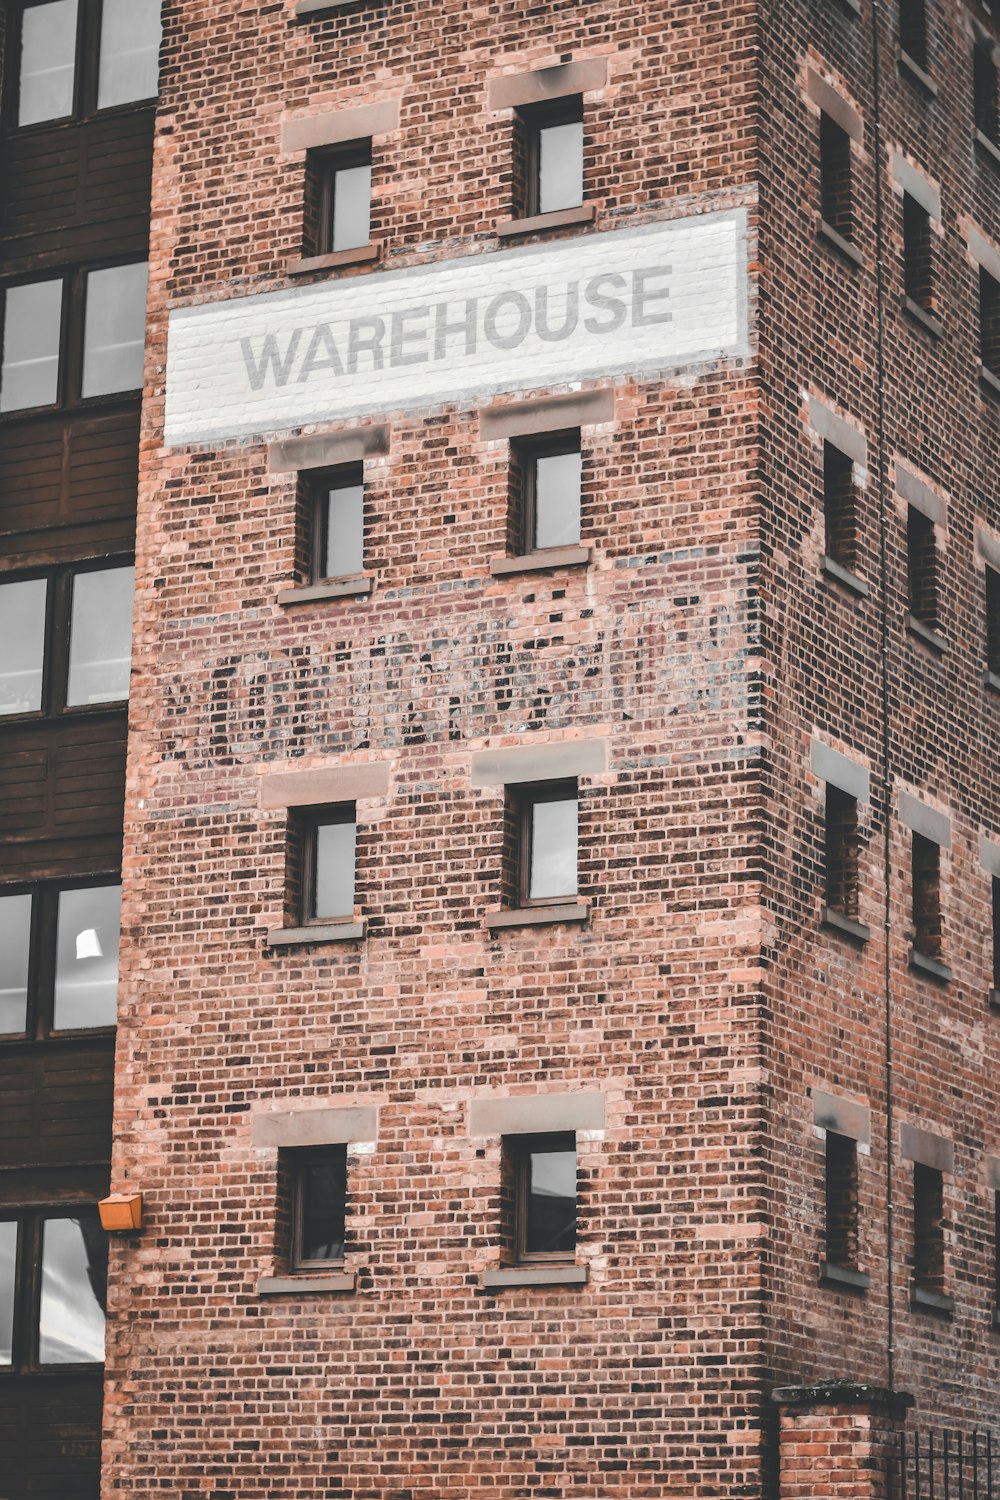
(560, 948)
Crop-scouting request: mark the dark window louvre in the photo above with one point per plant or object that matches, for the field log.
(922, 567)
(839, 507)
(913, 30)
(841, 1201)
(917, 258)
(841, 852)
(926, 876)
(835, 177)
(928, 1229)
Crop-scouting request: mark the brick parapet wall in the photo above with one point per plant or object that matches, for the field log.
(838, 1444)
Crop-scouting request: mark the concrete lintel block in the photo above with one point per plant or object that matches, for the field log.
(833, 429)
(835, 105)
(523, 763)
(845, 774)
(989, 855)
(325, 786)
(514, 90)
(926, 821)
(926, 1148)
(914, 183)
(335, 127)
(843, 1116)
(531, 1114)
(328, 450)
(547, 414)
(918, 493)
(315, 1127)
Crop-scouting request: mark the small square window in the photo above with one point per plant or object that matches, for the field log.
(841, 1201)
(337, 505)
(839, 508)
(984, 90)
(546, 483)
(329, 845)
(549, 157)
(836, 203)
(926, 897)
(918, 279)
(928, 1229)
(842, 881)
(922, 567)
(989, 323)
(319, 1207)
(913, 30)
(542, 1171)
(339, 192)
(993, 621)
(548, 830)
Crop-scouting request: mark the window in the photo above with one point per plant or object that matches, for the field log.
(841, 1201)
(835, 178)
(922, 567)
(339, 195)
(53, 1271)
(329, 845)
(842, 881)
(547, 834)
(989, 323)
(984, 90)
(59, 958)
(66, 640)
(917, 266)
(549, 157)
(926, 897)
(319, 1207)
(913, 30)
(995, 891)
(40, 367)
(996, 1253)
(337, 510)
(78, 56)
(541, 1171)
(993, 621)
(928, 1229)
(839, 507)
(546, 480)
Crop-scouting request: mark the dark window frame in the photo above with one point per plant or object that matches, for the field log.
(524, 455)
(317, 485)
(995, 915)
(519, 1149)
(923, 568)
(41, 983)
(989, 323)
(991, 590)
(309, 821)
(929, 1219)
(842, 1208)
(86, 72)
(527, 797)
(840, 507)
(925, 897)
(842, 853)
(300, 1159)
(985, 90)
(325, 163)
(918, 254)
(836, 178)
(26, 1338)
(530, 121)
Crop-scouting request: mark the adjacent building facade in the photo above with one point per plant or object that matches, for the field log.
(560, 954)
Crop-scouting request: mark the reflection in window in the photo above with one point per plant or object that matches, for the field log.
(114, 329)
(320, 1207)
(341, 529)
(560, 166)
(556, 509)
(130, 47)
(89, 928)
(74, 1273)
(333, 888)
(545, 1167)
(48, 56)
(100, 636)
(29, 375)
(22, 645)
(8, 1269)
(553, 836)
(15, 936)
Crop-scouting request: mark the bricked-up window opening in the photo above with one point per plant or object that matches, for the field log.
(66, 640)
(546, 482)
(59, 958)
(328, 843)
(918, 277)
(548, 839)
(913, 30)
(842, 849)
(995, 891)
(985, 93)
(840, 507)
(75, 57)
(922, 567)
(928, 1229)
(989, 323)
(319, 1207)
(841, 1247)
(926, 896)
(548, 152)
(337, 516)
(53, 1271)
(993, 621)
(836, 203)
(543, 1173)
(338, 198)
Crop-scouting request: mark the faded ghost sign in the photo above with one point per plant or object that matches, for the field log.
(624, 301)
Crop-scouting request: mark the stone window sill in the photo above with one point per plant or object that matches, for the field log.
(280, 1286)
(322, 932)
(927, 634)
(930, 967)
(539, 562)
(920, 315)
(990, 149)
(354, 587)
(844, 576)
(843, 1277)
(911, 69)
(989, 380)
(992, 680)
(933, 1302)
(562, 218)
(538, 916)
(362, 255)
(536, 1276)
(836, 239)
(847, 925)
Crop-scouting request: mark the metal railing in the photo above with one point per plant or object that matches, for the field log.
(945, 1466)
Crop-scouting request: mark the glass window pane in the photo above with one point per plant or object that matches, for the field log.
(553, 849)
(29, 375)
(8, 1267)
(130, 48)
(22, 645)
(48, 55)
(89, 928)
(323, 1185)
(345, 527)
(557, 499)
(74, 1274)
(335, 851)
(114, 331)
(560, 166)
(551, 1202)
(15, 932)
(100, 636)
(352, 196)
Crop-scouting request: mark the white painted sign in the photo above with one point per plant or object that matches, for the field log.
(622, 302)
